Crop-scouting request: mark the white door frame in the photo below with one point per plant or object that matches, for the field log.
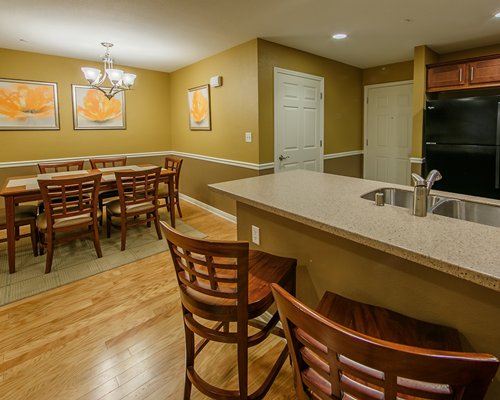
(365, 112)
(321, 79)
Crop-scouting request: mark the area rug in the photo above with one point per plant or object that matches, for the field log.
(77, 260)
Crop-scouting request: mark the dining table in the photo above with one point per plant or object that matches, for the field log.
(22, 189)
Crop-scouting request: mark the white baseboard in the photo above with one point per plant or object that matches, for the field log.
(209, 208)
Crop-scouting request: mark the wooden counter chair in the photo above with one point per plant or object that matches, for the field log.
(172, 164)
(107, 162)
(50, 167)
(225, 282)
(138, 194)
(70, 205)
(352, 350)
(24, 215)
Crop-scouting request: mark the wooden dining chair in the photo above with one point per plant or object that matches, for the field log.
(107, 162)
(138, 195)
(351, 350)
(70, 205)
(224, 282)
(60, 166)
(24, 215)
(50, 167)
(172, 164)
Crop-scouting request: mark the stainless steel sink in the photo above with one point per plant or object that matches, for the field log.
(445, 206)
(468, 211)
(399, 197)
(392, 196)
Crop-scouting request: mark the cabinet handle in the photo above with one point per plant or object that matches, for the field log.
(460, 75)
(471, 73)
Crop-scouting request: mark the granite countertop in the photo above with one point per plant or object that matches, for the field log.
(332, 203)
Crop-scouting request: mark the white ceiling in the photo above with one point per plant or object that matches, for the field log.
(165, 35)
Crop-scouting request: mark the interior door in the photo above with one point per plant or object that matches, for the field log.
(388, 132)
(298, 120)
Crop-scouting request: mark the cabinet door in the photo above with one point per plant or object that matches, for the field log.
(485, 71)
(446, 75)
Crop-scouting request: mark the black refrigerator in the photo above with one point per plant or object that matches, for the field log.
(462, 141)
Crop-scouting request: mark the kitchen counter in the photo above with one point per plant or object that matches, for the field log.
(332, 203)
(434, 268)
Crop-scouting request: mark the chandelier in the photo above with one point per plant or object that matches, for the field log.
(120, 81)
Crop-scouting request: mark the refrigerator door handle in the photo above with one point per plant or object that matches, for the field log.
(497, 168)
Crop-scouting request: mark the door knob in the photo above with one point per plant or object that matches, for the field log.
(281, 158)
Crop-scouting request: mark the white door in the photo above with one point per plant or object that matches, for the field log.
(298, 121)
(388, 132)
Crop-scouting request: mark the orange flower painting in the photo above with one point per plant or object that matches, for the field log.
(27, 105)
(93, 110)
(96, 107)
(199, 108)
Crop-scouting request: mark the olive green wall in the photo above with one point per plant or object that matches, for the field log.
(343, 97)
(147, 112)
(477, 52)
(233, 105)
(422, 57)
(402, 71)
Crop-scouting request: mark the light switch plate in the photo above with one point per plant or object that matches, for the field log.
(248, 137)
(256, 235)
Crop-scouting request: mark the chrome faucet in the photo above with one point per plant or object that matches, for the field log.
(422, 190)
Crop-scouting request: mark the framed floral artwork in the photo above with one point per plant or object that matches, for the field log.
(93, 110)
(28, 105)
(199, 108)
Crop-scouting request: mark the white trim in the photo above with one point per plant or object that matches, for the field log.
(417, 160)
(213, 210)
(343, 154)
(234, 163)
(365, 109)
(321, 80)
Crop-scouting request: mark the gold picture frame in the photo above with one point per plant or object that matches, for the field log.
(199, 108)
(28, 105)
(93, 111)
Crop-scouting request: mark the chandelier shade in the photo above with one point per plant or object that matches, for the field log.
(119, 80)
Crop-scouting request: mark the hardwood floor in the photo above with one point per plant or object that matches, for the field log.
(117, 335)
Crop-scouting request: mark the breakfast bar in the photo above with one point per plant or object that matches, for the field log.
(433, 268)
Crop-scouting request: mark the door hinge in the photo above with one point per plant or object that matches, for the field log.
(320, 143)
(367, 100)
(321, 96)
(367, 142)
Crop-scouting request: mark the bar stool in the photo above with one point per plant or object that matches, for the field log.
(351, 350)
(225, 282)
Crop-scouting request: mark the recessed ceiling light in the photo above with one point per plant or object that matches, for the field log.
(339, 36)
(497, 15)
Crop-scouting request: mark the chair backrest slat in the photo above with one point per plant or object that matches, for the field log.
(105, 162)
(50, 167)
(332, 362)
(138, 188)
(69, 197)
(174, 164)
(216, 269)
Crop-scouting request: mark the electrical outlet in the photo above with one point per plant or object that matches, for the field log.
(248, 137)
(256, 235)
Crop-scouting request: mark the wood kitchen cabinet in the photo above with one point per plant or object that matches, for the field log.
(464, 74)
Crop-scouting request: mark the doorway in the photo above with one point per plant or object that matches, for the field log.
(388, 132)
(298, 121)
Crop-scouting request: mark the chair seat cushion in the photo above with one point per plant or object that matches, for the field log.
(41, 220)
(263, 269)
(113, 207)
(23, 213)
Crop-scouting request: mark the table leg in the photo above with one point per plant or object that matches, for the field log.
(171, 199)
(11, 232)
